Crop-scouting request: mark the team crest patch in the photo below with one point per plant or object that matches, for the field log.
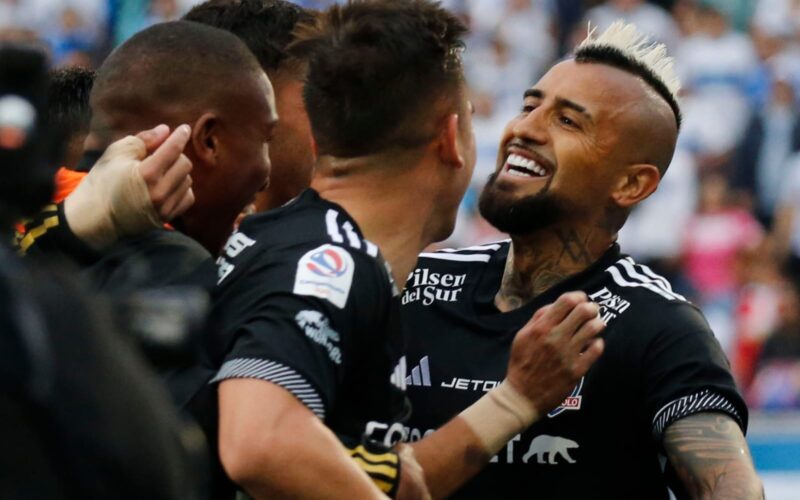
(325, 272)
(572, 402)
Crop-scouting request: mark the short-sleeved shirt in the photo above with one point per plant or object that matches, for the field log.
(305, 302)
(661, 363)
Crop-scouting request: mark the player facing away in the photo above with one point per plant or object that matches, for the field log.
(305, 358)
(659, 410)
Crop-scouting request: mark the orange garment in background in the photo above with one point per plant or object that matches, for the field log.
(66, 182)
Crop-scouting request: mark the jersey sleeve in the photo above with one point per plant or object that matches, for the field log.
(685, 372)
(295, 319)
(48, 234)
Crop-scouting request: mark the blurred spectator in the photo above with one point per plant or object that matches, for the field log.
(70, 36)
(654, 231)
(777, 383)
(650, 19)
(716, 65)
(772, 136)
(131, 16)
(777, 14)
(787, 220)
(757, 311)
(714, 236)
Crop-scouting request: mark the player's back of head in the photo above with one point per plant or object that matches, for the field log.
(68, 110)
(377, 71)
(185, 72)
(265, 26)
(173, 68)
(68, 98)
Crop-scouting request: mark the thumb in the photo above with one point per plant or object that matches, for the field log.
(154, 137)
(129, 147)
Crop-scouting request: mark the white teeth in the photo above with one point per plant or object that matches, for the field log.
(521, 162)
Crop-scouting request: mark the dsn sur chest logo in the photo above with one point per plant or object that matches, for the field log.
(427, 287)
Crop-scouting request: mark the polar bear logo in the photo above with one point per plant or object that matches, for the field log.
(550, 447)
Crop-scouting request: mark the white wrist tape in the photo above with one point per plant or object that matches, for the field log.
(499, 415)
(112, 200)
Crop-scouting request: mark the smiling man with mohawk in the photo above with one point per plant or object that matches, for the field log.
(659, 411)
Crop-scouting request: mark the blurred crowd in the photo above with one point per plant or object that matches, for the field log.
(725, 223)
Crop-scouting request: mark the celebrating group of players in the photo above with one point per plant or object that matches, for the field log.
(337, 360)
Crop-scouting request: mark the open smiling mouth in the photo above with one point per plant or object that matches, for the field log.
(519, 166)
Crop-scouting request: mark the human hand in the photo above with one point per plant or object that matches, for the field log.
(554, 350)
(139, 183)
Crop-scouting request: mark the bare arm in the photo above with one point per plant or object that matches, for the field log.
(711, 457)
(274, 447)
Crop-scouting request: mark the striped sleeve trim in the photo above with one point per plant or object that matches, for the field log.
(276, 373)
(705, 400)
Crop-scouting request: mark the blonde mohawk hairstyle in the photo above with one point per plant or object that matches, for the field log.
(624, 47)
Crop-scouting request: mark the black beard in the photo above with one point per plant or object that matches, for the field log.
(523, 215)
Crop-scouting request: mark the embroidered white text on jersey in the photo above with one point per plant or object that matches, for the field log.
(236, 244)
(466, 384)
(611, 304)
(428, 287)
(325, 272)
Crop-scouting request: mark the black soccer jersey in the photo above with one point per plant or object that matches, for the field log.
(305, 302)
(661, 363)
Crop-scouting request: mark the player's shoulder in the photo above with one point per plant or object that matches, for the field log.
(645, 297)
(308, 237)
(302, 224)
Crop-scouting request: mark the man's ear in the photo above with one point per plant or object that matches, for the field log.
(448, 149)
(637, 183)
(205, 138)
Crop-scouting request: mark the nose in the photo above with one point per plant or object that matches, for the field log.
(532, 127)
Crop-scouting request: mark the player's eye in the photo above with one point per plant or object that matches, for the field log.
(566, 120)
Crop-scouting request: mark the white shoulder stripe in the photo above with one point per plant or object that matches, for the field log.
(333, 227)
(372, 248)
(457, 257)
(621, 281)
(495, 245)
(472, 248)
(664, 283)
(352, 237)
(637, 276)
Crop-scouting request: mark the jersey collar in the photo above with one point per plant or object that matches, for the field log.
(489, 284)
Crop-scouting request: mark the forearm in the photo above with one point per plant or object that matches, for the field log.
(274, 447)
(310, 466)
(461, 448)
(711, 458)
(450, 457)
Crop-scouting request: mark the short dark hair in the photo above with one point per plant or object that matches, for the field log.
(265, 26)
(376, 68)
(170, 65)
(68, 99)
(611, 56)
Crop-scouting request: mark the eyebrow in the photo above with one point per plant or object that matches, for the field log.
(560, 101)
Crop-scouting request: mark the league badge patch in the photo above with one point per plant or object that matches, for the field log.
(325, 272)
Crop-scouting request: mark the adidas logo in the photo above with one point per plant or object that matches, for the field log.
(420, 374)
(398, 377)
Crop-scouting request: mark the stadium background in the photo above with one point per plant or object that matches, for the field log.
(725, 223)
